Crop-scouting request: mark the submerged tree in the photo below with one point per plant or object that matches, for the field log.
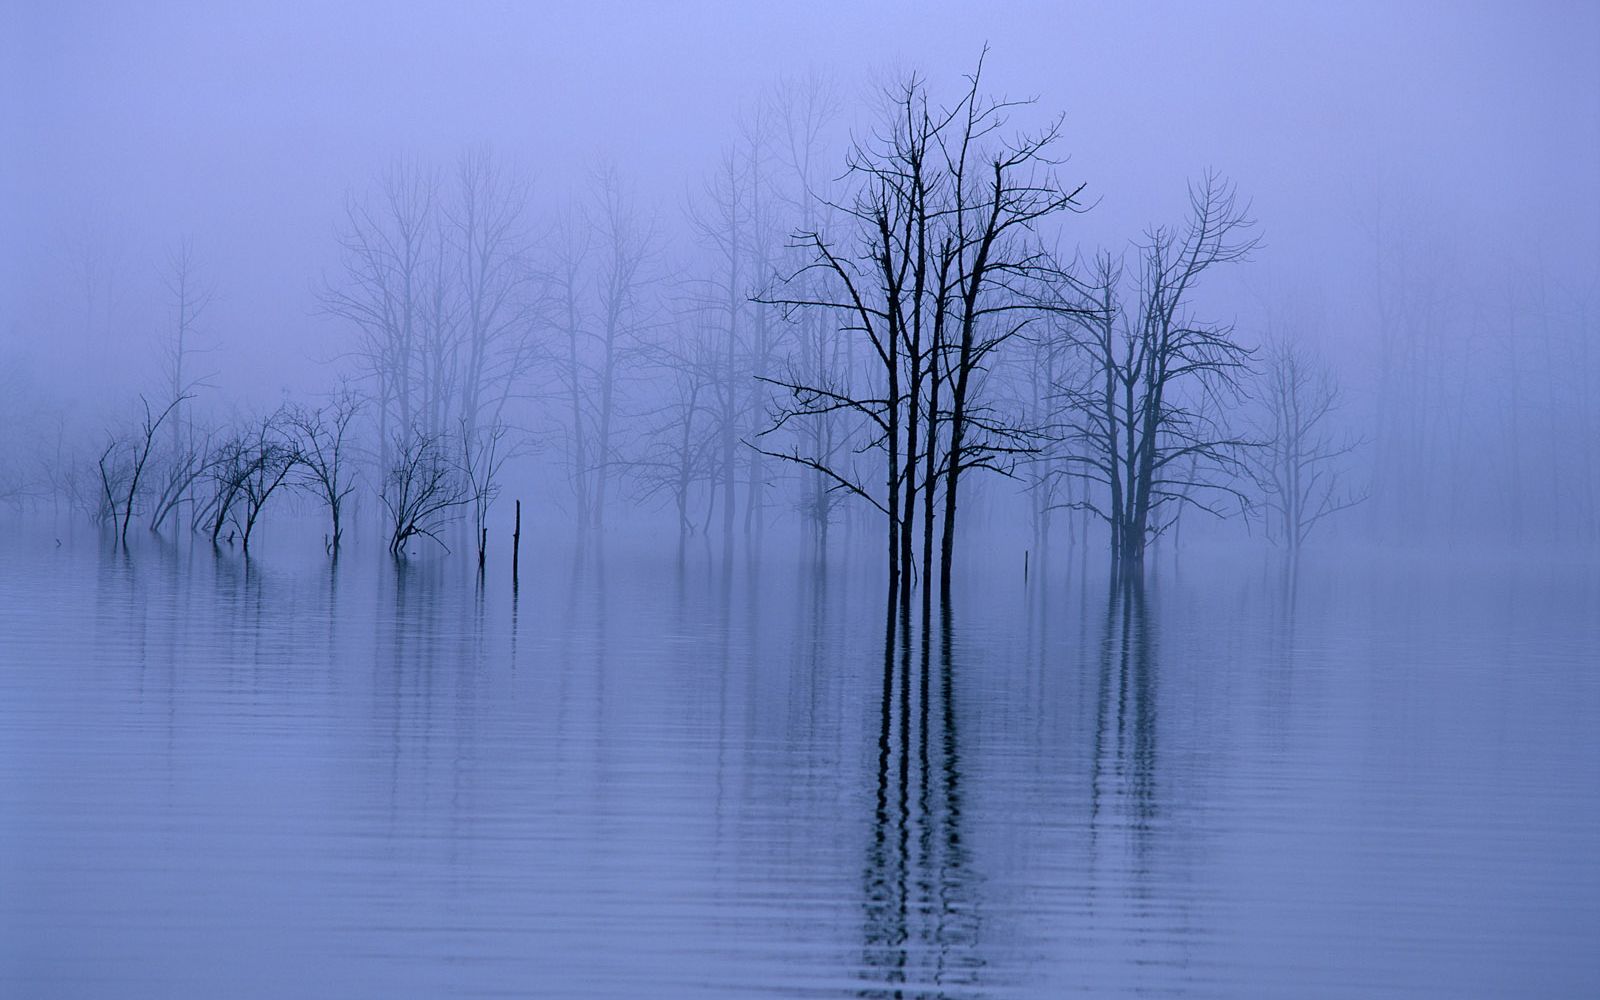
(1143, 411)
(268, 458)
(602, 275)
(935, 269)
(323, 439)
(678, 456)
(484, 452)
(123, 463)
(421, 491)
(1298, 459)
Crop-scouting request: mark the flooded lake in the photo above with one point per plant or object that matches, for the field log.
(640, 777)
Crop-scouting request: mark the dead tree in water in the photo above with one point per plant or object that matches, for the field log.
(484, 454)
(228, 466)
(1142, 409)
(270, 458)
(179, 474)
(421, 491)
(1297, 461)
(934, 270)
(604, 267)
(122, 466)
(322, 438)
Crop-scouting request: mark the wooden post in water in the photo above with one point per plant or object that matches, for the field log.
(516, 544)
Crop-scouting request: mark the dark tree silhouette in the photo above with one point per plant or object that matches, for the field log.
(323, 439)
(123, 462)
(270, 457)
(421, 491)
(1142, 417)
(935, 267)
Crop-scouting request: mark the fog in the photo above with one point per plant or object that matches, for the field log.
(1423, 182)
(828, 499)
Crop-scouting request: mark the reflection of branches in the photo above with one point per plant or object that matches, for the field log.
(920, 917)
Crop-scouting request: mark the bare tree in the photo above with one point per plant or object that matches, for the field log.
(1297, 463)
(1136, 417)
(935, 273)
(323, 441)
(602, 277)
(723, 222)
(180, 472)
(678, 455)
(421, 490)
(189, 296)
(804, 111)
(229, 465)
(123, 462)
(393, 291)
(484, 453)
(270, 458)
(487, 232)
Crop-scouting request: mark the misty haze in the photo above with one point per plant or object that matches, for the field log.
(809, 500)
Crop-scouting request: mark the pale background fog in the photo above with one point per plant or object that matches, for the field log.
(1455, 145)
(582, 761)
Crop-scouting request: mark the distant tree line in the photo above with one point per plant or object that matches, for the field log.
(859, 328)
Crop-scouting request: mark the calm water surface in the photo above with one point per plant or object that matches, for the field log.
(641, 779)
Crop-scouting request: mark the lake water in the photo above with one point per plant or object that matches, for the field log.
(646, 778)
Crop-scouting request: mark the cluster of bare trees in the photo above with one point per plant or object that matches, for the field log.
(1094, 382)
(936, 263)
(439, 283)
(880, 331)
(221, 479)
(716, 339)
(605, 273)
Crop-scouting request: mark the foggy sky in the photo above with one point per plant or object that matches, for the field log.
(242, 127)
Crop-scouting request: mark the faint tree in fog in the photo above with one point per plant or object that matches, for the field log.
(724, 225)
(189, 296)
(804, 111)
(439, 281)
(677, 455)
(484, 452)
(182, 464)
(269, 458)
(323, 439)
(1422, 386)
(602, 277)
(499, 290)
(1142, 418)
(1297, 461)
(574, 372)
(1046, 361)
(391, 261)
(123, 462)
(422, 489)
